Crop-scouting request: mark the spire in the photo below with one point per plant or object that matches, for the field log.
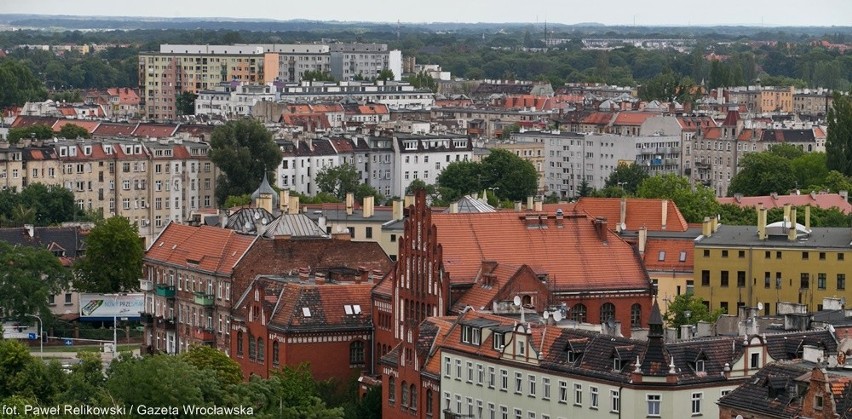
(655, 322)
(265, 188)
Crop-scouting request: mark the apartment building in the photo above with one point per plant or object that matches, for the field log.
(12, 168)
(234, 99)
(812, 102)
(762, 99)
(773, 262)
(490, 123)
(394, 94)
(350, 61)
(149, 182)
(424, 157)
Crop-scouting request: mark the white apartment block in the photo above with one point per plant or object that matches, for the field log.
(396, 95)
(424, 157)
(234, 99)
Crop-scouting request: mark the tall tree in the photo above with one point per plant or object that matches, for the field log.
(693, 204)
(28, 277)
(52, 204)
(512, 177)
(113, 258)
(243, 149)
(37, 132)
(676, 315)
(18, 85)
(185, 103)
(73, 131)
(762, 174)
(158, 380)
(628, 177)
(838, 142)
(338, 180)
(459, 179)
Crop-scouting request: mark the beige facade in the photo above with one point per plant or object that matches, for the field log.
(11, 169)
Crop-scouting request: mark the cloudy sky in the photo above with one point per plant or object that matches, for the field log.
(611, 12)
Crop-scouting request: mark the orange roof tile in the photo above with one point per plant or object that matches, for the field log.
(206, 248)
(598, 118)
(640, 213)
(325, 305)
(89, 126)
(572, 255)
(666, 254)
(632, 118)
(154, 130)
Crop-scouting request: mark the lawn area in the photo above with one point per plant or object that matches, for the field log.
(84, 348)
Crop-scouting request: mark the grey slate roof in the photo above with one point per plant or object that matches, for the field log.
(468, 204)
(744, 236)
(68, 239)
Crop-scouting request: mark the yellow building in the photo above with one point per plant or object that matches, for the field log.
(764, 265)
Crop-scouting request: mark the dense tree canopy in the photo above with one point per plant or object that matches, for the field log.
(459, 179)
(243, 149)
(18, 85)
(676, 316)
(838, 142)
(39, 205)
(510, 176)
(338, 180)
(693, 204)
(28, 277)
(37, 132)
(762, 174)
(73, 131)
(113, 258)
(626, 178)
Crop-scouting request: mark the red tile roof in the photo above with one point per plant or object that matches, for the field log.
(28, 121)
(155, 130)
(640, 213)
(89, 126)
(206, 248)
(822, 200)
(325, 306)
(480, 295)
(633, 118)
(671, 251)
(126, 96)
(598, 118)
(114, 130)
(573, 256)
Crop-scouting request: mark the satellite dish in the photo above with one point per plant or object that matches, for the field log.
(546, 315)
(760, 306)
(739, 417)
(517, 300)
(264, 221)
(257, 216)
(623, 226)
(557, 316)
(831, 328)
(247, 225)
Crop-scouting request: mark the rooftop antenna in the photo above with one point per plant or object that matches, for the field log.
(397, 29)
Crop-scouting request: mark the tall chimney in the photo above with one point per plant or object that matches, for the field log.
(714, 224)
(643, 240)
(454, 208)
(409, 201)
(350, 202)
(265, 201)
(397, 209)
(786, 213)
(665, 213)
(706, 228)
(529, 203)
(368, 209)
(283, 200)
(518, 206)
(808, 218)
(791, 233)
(294, 205)
(761, 222)
(622, 214)
(538, 205)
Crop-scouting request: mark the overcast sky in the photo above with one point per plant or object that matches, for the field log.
(610, 12)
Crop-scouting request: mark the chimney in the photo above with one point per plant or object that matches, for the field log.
(706, 228)
(30, 230)
(643, 240)
(518, 206)
(622, 214)
(808, 218)
(322, 222)
(350, 202)
(363, 275)
(529, 203)
(409, 201)
(397, 209)
(559, 218)
(786, 213)
(738, 197)
(454, 208)
(368, 208)
(283, 200)
(791, 233)
(761, 222)
(600, 228)
(265, 201)
(294, 205)
(665, 213)
(319, 278)
(844, 195)
(714, 224)
(538, 205)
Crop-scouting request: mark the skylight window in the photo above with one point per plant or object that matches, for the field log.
(682, 257)
(348, 309)
(662, 255)
(356, 308)
(306, 311)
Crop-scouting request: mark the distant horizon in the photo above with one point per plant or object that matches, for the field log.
(623, 13)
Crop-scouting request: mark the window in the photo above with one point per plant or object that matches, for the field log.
(818, 402)
(240, 343)
(519, 414)
(504, 380)
(563, 392)
(369, 234)
(429, 402)
(497, 339)
(519, 383)
(724, 253)
(260, 349)
(636, 315)
(755, 361)
(413, 394)
(741, 278)
(458, 369)
(448, 367)
(356, 352)
(607, 312)
(696, 403)
(841, 281)
(545, 383)
(705, 278)
(615, 401)
(491, 377)
(578, 313)
(804, 255)
(469, 372)
(531, 379)
(741, 254)
(578, 394)
(840, 256)
(821, 281)
(706, 253)
(504, 412)
(68, 298)
(653, 404)
(593, 397)
(724, 278)
(480, 374)
(805, 281)
(392, 391)
(275, 349)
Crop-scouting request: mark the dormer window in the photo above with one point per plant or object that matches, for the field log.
(471, 335)
(498, 340)
(699, 365)
(617, 364)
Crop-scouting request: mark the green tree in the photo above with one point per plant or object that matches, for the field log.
(836, 182)
(243, 149)
(459, 179)
(296, 392)
(113, 258)
(422, 80)
(364, 190)
(73, 131)
(317, 75)
(158, 380)
(676, 316)
(338, 180)
(185, 103)
(512, 177)
(627, 177)
(85, 381)
(49, 205)
(385, 74)
(209, 359)
(787, 151)
(37, 131)
(367, 407)
(28, 277)
(838, 142)
(762, 174)
(14, 361)
(18, 85)
(237, 201)
(584, 189)
(810, 170)
(693, 204)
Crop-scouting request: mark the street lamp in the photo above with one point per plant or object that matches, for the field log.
(621, 185)
(40, 340)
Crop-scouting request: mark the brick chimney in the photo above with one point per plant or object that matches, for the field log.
(665, 213)
(283, 200)
(560, 216)
(643, 240)
(350, 203)
(294, 205)
(368, 206)
(397, 209)
(319, 278)
(791, 232)
(363, 275)
(600, 228)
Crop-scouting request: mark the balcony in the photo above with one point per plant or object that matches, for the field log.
(164, 290)
(204, 299)
(203, 334)
(146, 319)
(167, 323)
(146, 285)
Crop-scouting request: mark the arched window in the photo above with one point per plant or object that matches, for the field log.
(428, 402)
(252, 347)
(391, 390)
(636, 315)
(404, 394)
(607, 312)
(356, 352)
(260, 350)
(240, 343)
(578, 313)
(275, 353)
(413, 397)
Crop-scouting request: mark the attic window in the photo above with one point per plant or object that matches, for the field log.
(617, 364)
(353, 309)
(498, 339)
(306, 311)
(699, 365)
(682, 256)
(471, 335)
(662, 256)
